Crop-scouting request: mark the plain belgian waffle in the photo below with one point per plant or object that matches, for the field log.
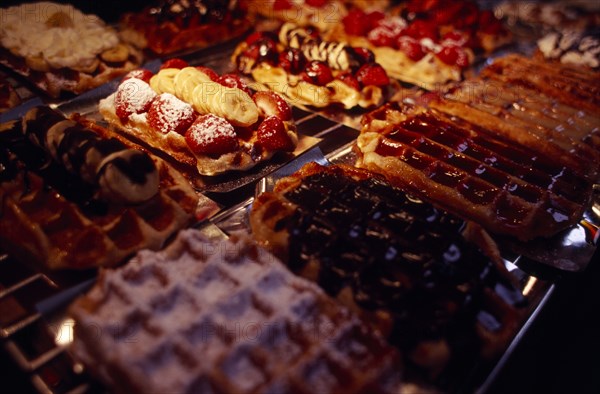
(224, 317)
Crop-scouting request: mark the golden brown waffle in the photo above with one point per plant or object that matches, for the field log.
(55, 217)
(224, 317)
(401, 263)
(60, 50)
(465, 168)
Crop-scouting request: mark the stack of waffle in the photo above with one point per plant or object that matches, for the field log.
(224, 317)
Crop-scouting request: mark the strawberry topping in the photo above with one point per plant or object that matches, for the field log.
(209, 72)
(233, 81)
(272, 135)
(167, 113)
(356, 23)
(411, 48)
(280, 5)
(211, 135)
(349, 80)
(372, 74)
(318, 73)
(271, 104)
(133, 96)
(174, 63)
(140, 73)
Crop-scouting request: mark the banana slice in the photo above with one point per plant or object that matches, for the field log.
(186, 80)
(233, 104)
(88, 68)
(163, 82)
(117, 54)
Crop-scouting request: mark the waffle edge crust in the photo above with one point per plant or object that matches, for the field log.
(226, 316)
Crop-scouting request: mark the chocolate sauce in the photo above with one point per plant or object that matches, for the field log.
(396, 253)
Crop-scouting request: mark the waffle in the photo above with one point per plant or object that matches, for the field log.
(200, 122)
(308, 70)
(8, 97)
(167, 27)
(58, 49)
(72, 199)
(427, 43)
(399, 262)
(224, 317)
(507, 188)
(570, 47)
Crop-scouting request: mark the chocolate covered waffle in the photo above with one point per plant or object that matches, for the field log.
(308, 70)
(506, 187)
(167, 27)
(72, 198)
(224, 317)
(398, 261)
(208, 122)
(58, 49)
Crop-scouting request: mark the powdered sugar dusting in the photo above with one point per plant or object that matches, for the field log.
(134, 95)
(208, 128)
(173, 113)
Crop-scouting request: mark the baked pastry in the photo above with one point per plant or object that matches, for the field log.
(429, 43)
(169, 26)
(224, 317)
(319, 13)
(211, 123)
(72, 198)
(459, 164)
(548, 16)
(399, 262)
(59, 49)
(310, 71)
(8, 97)
(570, 47)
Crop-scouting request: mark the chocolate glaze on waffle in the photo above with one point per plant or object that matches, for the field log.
(224, 317)
(507, 188)
(401, 262)
(52, 215)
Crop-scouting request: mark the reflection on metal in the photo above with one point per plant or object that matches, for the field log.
(530, 285)
(64, 334)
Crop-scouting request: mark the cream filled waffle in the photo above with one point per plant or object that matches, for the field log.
(398, 261)
(428, 43)
(59, 49)
(212, 123)
(308, 70)
(224, 317)
(481, 174)
(73, 198)
(167, 27)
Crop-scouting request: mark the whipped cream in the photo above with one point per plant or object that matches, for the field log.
(59, 34)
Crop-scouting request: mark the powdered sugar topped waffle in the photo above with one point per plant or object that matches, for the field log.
(212, 123)
(74, 198)
(308, 70)
(60, 49)
(223, 317)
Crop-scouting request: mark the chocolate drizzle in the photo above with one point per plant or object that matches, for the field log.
(397, 254)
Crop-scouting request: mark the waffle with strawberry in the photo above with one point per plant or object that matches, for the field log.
(428, 43)
(310, 71)
(211, 122)
(167, 27)
(320, 13)
(59, 49)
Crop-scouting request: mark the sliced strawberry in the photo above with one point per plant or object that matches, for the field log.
(373, 18)
(372, 74)
(316, 3)
(349, 80)
(318, 73)
(280, 5)
(133, 96)
(411, 48)
(365, 55)
(454, 56)
(209, 72)
(233, 81)
(382, 37)
(272, 135)
(140, 73)
(356, 23)
(271, 104)
(422, 29)
(263, 50)
(292, 60)
(174, 63)
(167, 113)
(211, 135)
